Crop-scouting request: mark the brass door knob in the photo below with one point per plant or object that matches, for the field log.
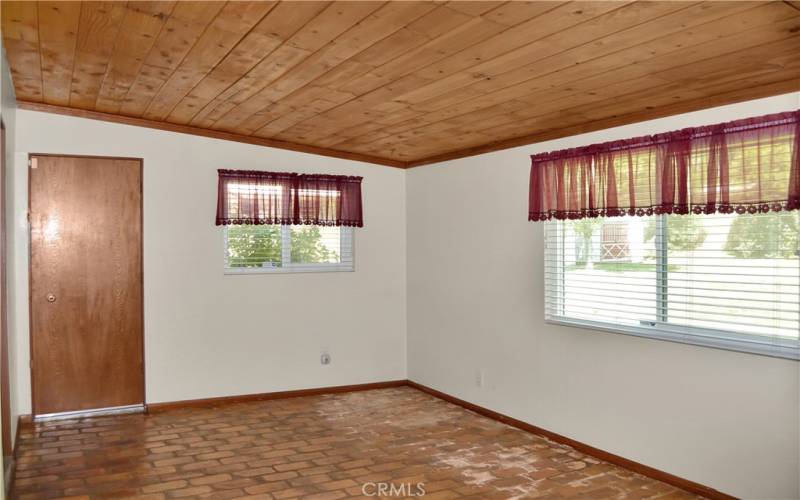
(51, 297)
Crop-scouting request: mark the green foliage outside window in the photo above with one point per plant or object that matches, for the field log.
(307, 246)
(773, 235)
(253, 246)
(684, 232)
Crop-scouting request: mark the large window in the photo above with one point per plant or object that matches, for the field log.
(281, 249)
(723, 280)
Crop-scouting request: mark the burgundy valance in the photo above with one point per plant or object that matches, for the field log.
(744, 166)
(253, 197)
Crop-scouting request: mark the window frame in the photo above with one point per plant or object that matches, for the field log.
(657, 329)
(346, 237)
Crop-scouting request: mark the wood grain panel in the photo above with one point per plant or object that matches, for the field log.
(230, 25)
(99, 26)
(86, 283)
(181, 30)
(141, 27)
(20, 24)
(58, 23)
(282, 22)
(335, 19)
(562, 88)
(401, 82)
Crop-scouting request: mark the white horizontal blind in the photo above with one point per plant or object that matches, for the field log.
(281, 249)
(726, 280)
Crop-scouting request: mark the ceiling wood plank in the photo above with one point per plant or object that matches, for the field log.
(397, 83)
(522, 12)
(99, 26)
(758, 72)
(183, 28)
(232, 23)
(378, 25)
(141, 27)
(528, 78)
(321, 30)
(20, 24)
(700, 65)
(474, 7)
(279, 25)
(622, 66)
(763, 89)
(58, 31)
(553, 20)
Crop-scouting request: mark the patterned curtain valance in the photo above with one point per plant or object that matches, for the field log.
(744, 166)
(253, 197)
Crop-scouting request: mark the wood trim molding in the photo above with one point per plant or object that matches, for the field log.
(637, 467)
(225, 400)
(214, 134)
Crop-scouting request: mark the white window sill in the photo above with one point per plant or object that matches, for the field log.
(705, 338)
(312, 268)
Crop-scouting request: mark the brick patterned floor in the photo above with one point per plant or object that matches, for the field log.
(320, 447)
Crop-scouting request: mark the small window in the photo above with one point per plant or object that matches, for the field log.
(252, 249)
(722, 280)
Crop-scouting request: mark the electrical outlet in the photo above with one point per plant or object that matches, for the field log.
(479, 378)
(325, 359)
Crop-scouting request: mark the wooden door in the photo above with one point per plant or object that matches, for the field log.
(86, 283)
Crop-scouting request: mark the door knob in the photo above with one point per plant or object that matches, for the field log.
(51, 297)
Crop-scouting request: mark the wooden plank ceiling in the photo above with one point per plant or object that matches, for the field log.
(400, 83)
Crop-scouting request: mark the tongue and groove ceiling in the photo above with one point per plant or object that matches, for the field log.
(397, 83)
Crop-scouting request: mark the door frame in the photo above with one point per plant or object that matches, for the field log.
(5, 372)
(31, 156)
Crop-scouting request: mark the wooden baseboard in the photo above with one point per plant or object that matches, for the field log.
(637, 467)
(23, 422)
(224, 400)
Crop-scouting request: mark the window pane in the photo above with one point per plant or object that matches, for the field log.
(254, 246)
(732, 272)
(316, 244)
(609, 270)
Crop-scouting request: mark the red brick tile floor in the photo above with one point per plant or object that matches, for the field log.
(317, 447)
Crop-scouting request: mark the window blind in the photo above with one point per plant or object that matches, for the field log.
(724, 280)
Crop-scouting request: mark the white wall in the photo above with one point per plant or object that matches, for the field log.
(8, 114)
(208, 334)
(475, 302)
